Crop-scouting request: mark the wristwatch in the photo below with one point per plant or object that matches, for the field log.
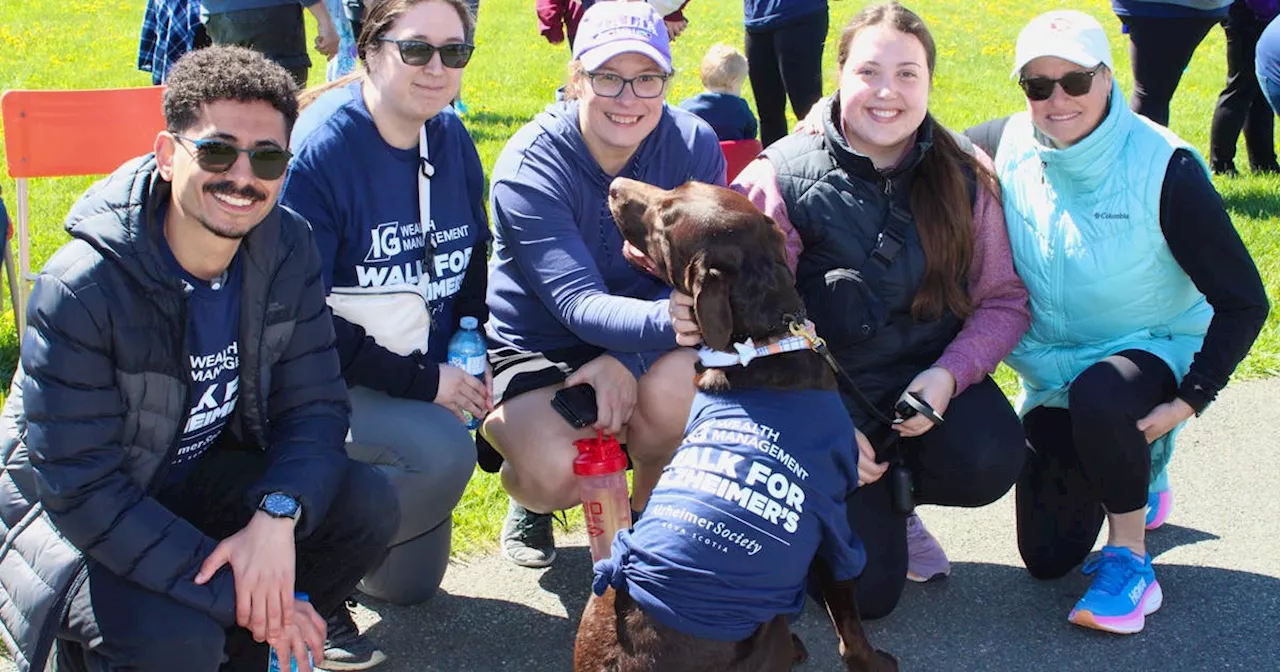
(280, 505)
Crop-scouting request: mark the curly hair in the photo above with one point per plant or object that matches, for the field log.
(224, 72)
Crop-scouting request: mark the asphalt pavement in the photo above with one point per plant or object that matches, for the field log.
(1217, 559)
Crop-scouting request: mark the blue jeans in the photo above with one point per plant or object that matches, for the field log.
(1270, 91)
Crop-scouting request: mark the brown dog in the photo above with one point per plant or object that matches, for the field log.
(713, 244)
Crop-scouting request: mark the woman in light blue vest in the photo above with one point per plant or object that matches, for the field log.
(1143, 301)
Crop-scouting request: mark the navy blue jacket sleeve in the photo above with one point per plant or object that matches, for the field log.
(363, 361)
(1205, 243)
(307, 405)
(75, 417)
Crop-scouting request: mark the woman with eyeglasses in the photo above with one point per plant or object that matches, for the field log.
(393, 187)
(1143, 301)
(896, 236)
(566, 306)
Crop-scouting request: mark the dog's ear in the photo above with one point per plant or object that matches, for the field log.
(711, 307)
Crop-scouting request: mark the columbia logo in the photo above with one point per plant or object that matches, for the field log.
(1111, 215)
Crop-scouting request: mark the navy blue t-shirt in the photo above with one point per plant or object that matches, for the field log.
(756, 489)
(213, 331)
(360, 195)
(729, 115)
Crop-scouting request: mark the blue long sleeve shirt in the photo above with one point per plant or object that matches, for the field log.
(558, 278)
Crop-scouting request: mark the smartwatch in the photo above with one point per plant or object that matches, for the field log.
(280, 505)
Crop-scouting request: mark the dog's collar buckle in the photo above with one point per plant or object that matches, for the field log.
(805, 329)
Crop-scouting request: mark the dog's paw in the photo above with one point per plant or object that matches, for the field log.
(800, 653)
(884, 662)
(878, 661)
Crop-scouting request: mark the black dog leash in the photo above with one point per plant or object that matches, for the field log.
(901, 482)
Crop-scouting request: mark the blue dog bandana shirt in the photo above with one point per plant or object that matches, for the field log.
(755, 490)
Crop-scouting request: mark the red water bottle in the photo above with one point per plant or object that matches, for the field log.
(601, 468)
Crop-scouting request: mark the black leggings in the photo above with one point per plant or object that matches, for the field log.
(971, 460)
(786, 62)
(1160, 49)
(1087, 459)
(1241, 104)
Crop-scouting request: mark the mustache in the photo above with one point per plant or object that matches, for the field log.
(229, 188)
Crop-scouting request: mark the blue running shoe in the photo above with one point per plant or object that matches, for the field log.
(1124, 591)
(1159, 505)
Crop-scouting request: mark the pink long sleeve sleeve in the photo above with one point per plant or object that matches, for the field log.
(759, 183)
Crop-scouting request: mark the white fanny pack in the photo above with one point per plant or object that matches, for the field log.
(398, 317)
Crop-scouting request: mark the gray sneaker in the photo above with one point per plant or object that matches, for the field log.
(527, 538)
(346, 648)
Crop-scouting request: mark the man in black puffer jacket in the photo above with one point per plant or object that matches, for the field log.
(173, 440)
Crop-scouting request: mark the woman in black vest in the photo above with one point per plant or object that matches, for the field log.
(896, 233)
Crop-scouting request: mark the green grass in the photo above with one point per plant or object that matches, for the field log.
(91, 44)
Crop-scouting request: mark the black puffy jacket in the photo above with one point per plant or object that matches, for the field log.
(839, 203)
(99, 401)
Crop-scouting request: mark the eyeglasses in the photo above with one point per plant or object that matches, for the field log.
(218, 156)
(417, 52)
(1073, 84)
(609, 85)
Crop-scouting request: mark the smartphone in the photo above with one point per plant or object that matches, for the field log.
(577, 405)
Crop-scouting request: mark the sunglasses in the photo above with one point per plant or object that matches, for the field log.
(1073, 84)
(218, 156)
(417, 52)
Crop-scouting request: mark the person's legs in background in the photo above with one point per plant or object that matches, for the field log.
(799, 49)
(1241, 105)
(766, 85)
(1159, 50)
(279, 33)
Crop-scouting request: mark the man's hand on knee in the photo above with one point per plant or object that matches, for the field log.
(262, 561)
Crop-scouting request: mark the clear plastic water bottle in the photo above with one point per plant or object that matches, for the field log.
(273, 661)
(467, 352)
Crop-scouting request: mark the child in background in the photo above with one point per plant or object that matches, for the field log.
(724, 69)
(342, 63)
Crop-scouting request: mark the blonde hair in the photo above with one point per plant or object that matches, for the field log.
(724, 69)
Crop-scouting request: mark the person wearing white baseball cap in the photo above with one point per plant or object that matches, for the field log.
(566, 305)
(1143, 301)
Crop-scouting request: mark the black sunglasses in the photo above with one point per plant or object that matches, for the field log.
(1073, 84)
(218, 156)
(417, 52)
